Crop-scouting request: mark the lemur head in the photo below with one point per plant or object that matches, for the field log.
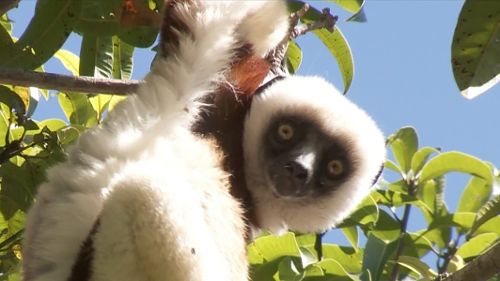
(311, 155)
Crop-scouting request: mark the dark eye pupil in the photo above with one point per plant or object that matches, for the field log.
(285, 132)
(335, 167)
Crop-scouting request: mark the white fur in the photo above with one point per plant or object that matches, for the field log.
(311, 96)
(146, 162)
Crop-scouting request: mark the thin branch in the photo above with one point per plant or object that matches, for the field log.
(404, 227)
(45, 80)
(277, 56)
(480, 269)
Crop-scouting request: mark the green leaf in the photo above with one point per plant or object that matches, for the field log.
(386, 228)
(6, 42)
(475, 50)
(70, 61)
(489, 210)
(293, 57)
(477, 245)
(420, 158)
(334, 269)
(17, 191)
(51, 25)
(19, 101)
(391, 165)
(339, 48)
(78, 109)
(353, 6)
(349, 258)
(122, 59)
(266, 253)
(6, 23)
(335, 42)
(273, 247)
(417, 266)
(114, 101)
(139, 36)
(100, 103)
(489, 226)
(404, 144)
(365, 214)
(416, 245)
(288, 271)
(476, 193)
(351, 233)
(456, 263)
(51, 124)
(96, 56)
(376, 255)
(455, 162)
(99, 18)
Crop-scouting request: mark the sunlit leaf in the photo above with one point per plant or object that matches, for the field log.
(404, 144)
(415, 245)
(337, 45)
(456, 263)
(421, 156)
(114, 101)
(455, 162)
(70, 61)
(376, 255)
(351, 233)
(477, 245)
(489, 210)
(475, 48)
(393, 166)
(365, 214)
(96, 56)
(348, 257)
(476, 193)
(418, 266)
(6, 23)
(293, 57)
(353, 6)
(78, 109)
(17, 100)
(489, 226)
(48, 30)
(122, 59)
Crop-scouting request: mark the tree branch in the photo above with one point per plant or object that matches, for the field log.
(480, 269)
(45, 80)
(277, 56)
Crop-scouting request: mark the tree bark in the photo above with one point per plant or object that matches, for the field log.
(45, 80)
(480, 269)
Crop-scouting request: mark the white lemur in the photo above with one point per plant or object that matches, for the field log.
(154, 196)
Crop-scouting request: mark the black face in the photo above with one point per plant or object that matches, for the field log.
(302, 160)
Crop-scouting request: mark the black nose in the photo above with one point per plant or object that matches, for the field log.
(297, 171)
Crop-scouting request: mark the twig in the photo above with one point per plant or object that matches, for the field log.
(277, 56)
(404, 228)
(45, 80)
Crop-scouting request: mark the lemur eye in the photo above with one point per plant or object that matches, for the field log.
(335, 168)
(286, 131)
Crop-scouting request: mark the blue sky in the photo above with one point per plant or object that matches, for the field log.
(403, 77)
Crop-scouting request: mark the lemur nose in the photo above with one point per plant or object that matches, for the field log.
(297, 171)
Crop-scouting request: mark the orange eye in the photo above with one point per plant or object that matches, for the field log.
(286, 132)
(335, 168)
